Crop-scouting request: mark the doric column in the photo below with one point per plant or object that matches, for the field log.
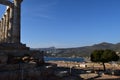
(2, 30)
(17, 21)
(10, 10)
(7, 25)
(3, 37)
(4, 27)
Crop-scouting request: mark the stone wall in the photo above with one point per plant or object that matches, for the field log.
(27, 73)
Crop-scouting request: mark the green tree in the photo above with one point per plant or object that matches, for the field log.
(104, 56)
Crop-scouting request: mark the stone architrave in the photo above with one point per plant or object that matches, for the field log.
(6, 2)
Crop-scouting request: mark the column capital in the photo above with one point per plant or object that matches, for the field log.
(18, 1)
(6, 2)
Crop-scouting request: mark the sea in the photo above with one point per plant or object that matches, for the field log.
(80, 59)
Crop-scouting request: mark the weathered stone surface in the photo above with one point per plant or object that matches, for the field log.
(11, 22)
(17, 21)
(25, 73)
(3, 58)
(10, 26)
(12, 51)
(13, 46)
(6, 2)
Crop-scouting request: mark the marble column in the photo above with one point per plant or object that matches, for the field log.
(4, 26)
(7, 25)
(17, 21)
(10, 10)
(0, 31)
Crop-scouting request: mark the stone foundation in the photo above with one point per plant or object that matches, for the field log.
(28, 72)
(11, 56)
(13, 46)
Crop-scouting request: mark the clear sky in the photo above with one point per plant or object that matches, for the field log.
(69, 23)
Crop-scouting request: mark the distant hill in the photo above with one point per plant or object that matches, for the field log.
(80, 51)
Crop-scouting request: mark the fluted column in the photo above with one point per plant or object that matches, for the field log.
(0, 32)
(10, 24)
(4, 27)
(17, 21)
(7, 25)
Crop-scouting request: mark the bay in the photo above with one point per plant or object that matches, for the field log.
(64, 59)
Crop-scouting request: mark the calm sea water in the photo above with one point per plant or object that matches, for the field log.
(64, 59)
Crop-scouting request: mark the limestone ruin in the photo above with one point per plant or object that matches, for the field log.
(11, 47)
(17, 62)
(10, 23)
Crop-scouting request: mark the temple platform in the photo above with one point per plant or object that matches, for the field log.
(12, 52)
(13, 46)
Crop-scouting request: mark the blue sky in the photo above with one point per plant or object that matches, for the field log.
(69, 23)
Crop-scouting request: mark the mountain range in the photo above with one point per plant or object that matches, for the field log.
(79, 51)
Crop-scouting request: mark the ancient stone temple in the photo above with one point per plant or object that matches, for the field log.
(10, 28)
(10, 25)
(18, 62)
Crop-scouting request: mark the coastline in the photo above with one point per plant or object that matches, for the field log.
(78, 59)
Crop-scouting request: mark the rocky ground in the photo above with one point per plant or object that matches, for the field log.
(89, 71)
